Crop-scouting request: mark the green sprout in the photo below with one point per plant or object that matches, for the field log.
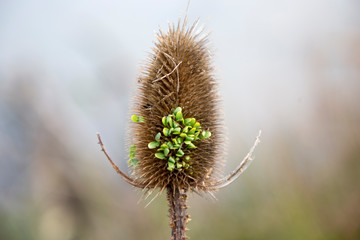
(133, 161)
(136, 118)
(179, 134)
(132, 151)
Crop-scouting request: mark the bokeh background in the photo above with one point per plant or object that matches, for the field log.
(291, 68)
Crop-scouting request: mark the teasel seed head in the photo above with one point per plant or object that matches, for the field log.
(178, 75)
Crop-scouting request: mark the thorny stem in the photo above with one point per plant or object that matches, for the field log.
(177, 212)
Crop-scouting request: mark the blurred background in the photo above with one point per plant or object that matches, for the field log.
(291, 68)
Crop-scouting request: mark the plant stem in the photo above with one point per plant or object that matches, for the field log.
(177, 212)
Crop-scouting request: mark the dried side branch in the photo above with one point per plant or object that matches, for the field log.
(125, 176)
(232, 176)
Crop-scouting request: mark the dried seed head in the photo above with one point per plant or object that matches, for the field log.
(175, 87)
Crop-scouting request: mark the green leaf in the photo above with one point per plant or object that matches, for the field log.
(187, 158)
(183, 135)
(133, 162)
(171, 159)
(164, 121)
(189, 139)
(196, 137)
(166, 151)
(132, 151)
(178, 109)
(176, 146)
(157, 137)
(178, 116)
(171, 166)
(170, 121)
(197, 125)
(177, 131)
(191, 146)
(192, 131)
(175, 141)
(207, 134)
(180, 140)
(164, 145)
(166, 132)
(187, 142)
(175, 124)
(202, 135)
(135, 118)
(190, 122)
(180, 153)
(187, 121)
(170, 145)
(178, 165)
(153, 145)
(160, 155)
(186, 129)
(141, 119)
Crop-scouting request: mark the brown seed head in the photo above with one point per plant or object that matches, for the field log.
(178, 74)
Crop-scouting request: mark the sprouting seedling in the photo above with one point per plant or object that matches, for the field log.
(132, 151)
(180, 146)
(132, 160)
(155, 143)
(136, 118)
(182, 134)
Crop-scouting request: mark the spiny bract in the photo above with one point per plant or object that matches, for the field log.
(178, 74)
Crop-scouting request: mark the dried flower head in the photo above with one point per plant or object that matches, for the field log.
(177, 134)
(178, 80)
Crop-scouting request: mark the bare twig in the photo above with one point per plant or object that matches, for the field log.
(125, 176)
(175, 68)
(232, 176)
